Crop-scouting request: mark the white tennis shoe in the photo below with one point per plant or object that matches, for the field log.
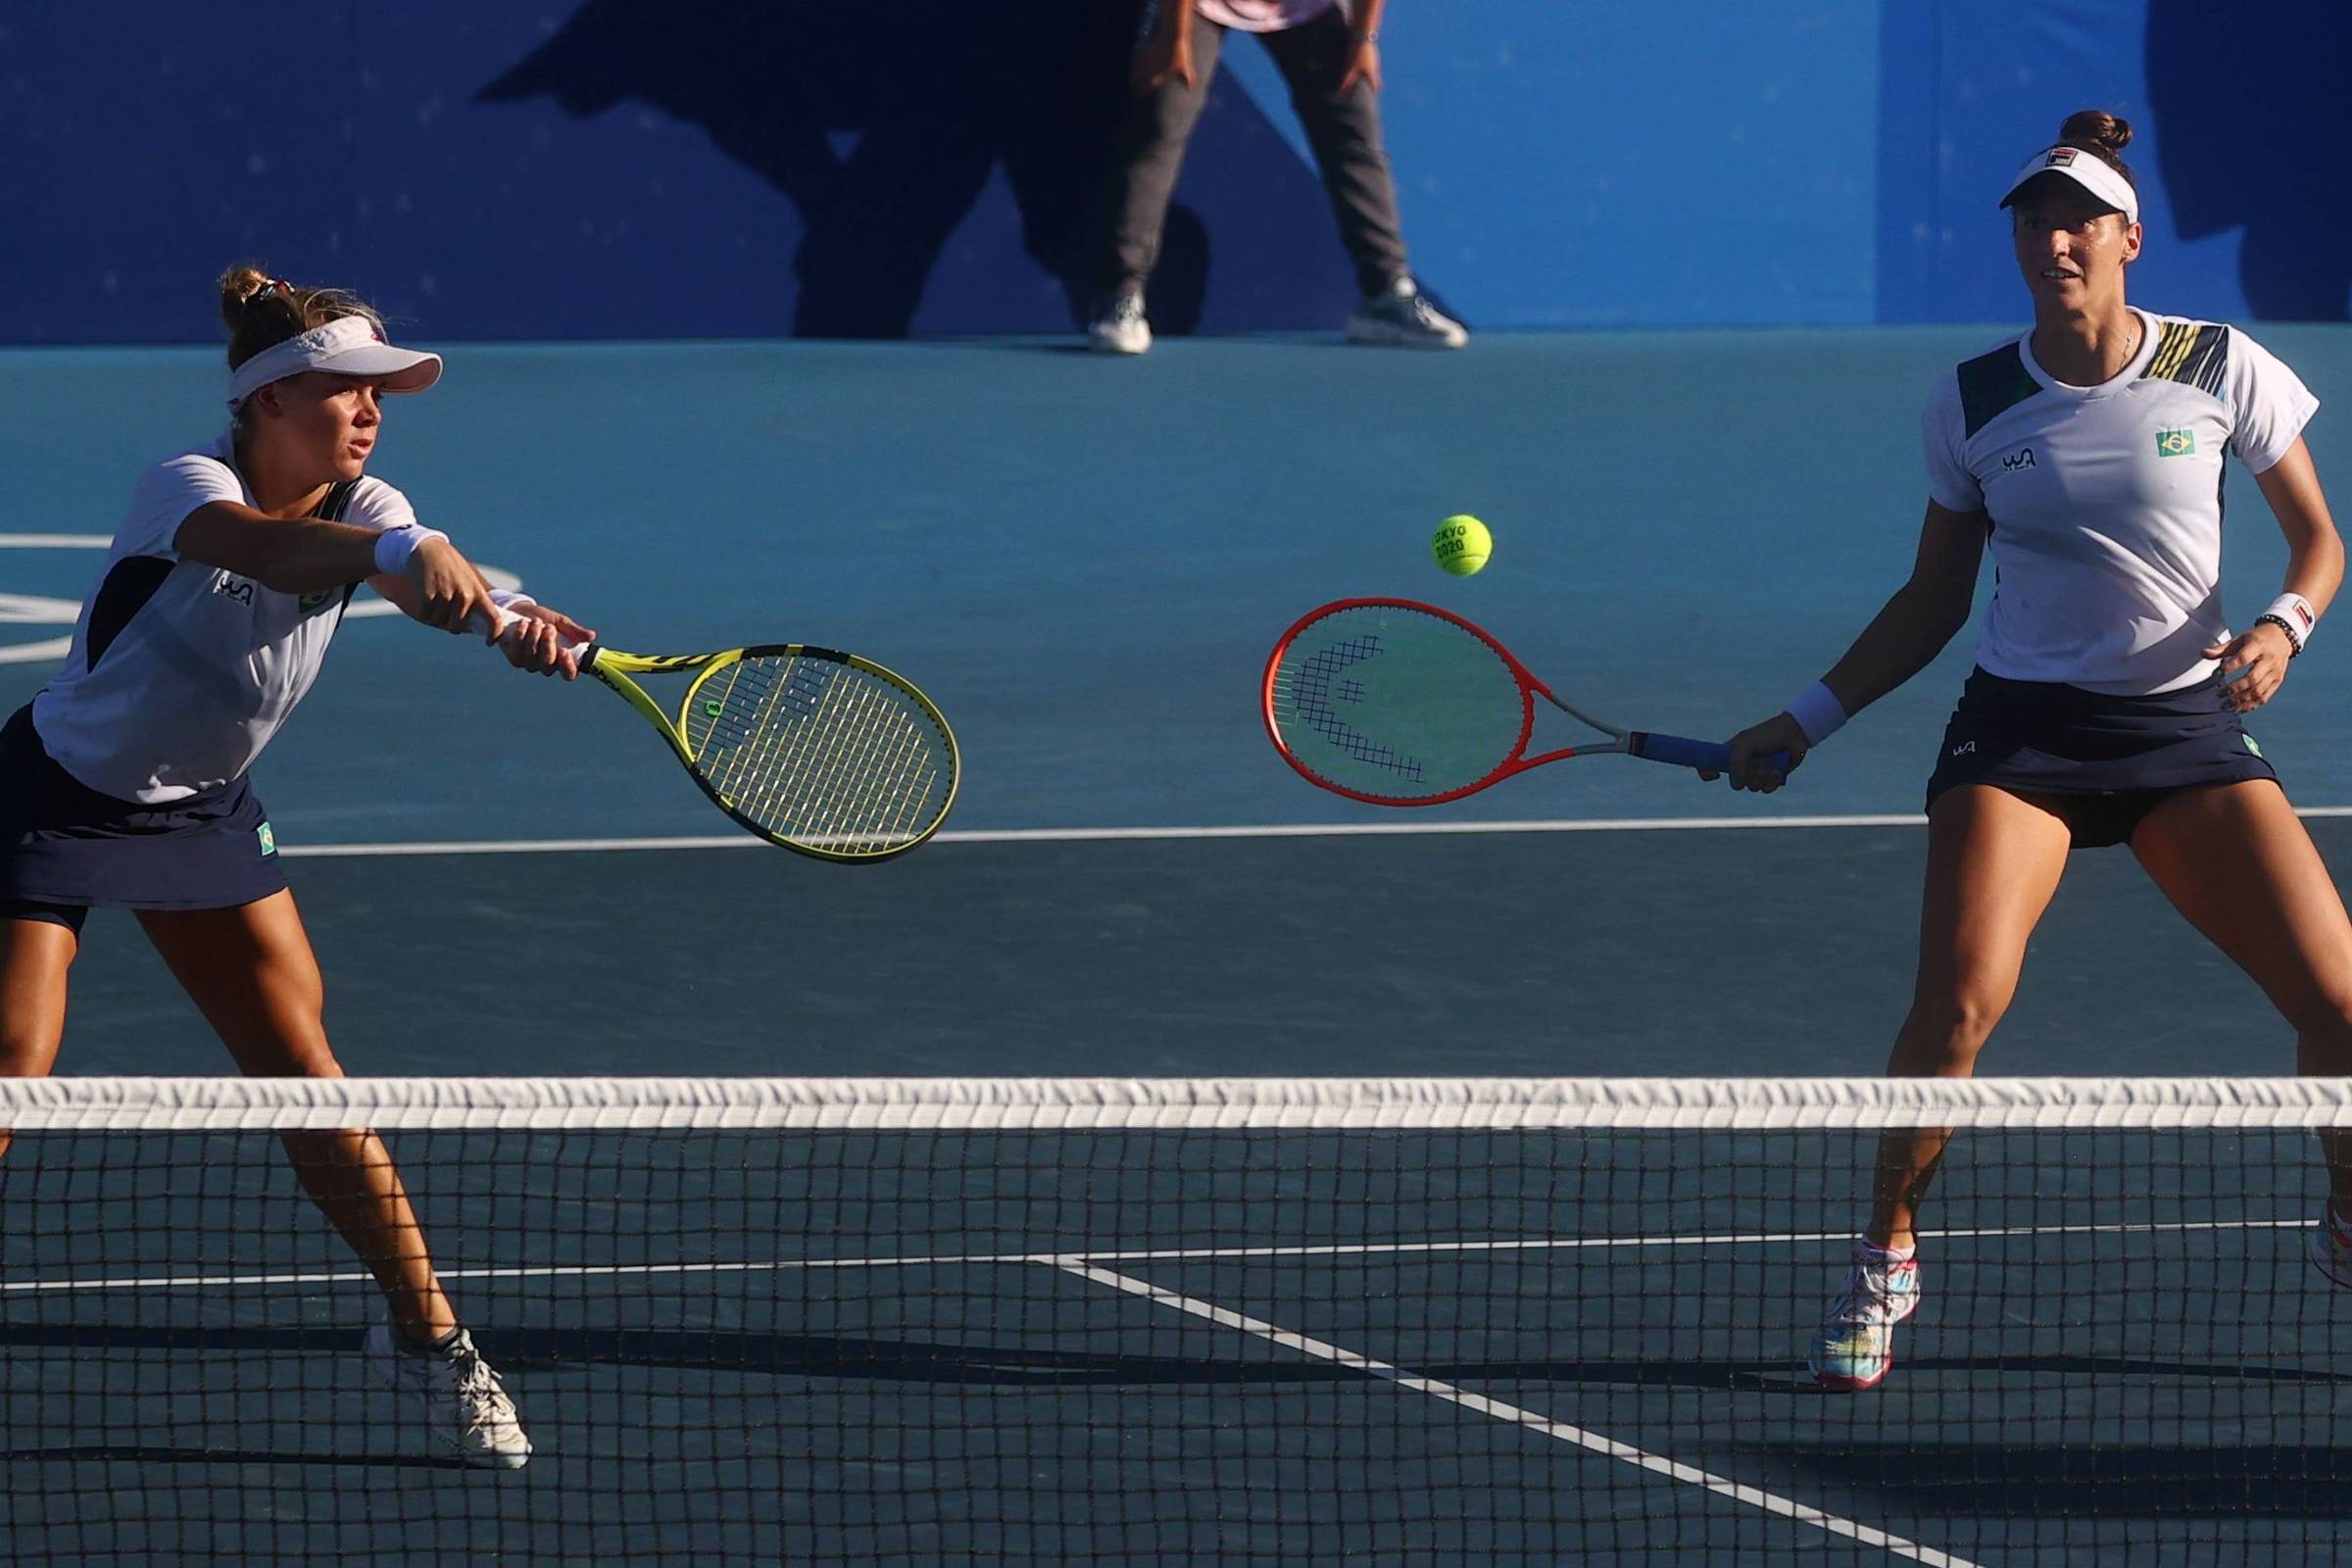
(1855, 1346)
(1119, 325)
(465, 1405)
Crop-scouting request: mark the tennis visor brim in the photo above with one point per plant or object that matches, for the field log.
(2086, 170)
(349, 345)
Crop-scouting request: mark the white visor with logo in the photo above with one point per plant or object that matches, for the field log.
(349, 345)
(2086, 170)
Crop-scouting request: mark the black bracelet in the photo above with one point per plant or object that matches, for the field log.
(2294, 643)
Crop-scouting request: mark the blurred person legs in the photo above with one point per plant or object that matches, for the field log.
(1344, 129)
(1143, 180)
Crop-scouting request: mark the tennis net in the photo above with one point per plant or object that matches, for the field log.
(1133, 1322)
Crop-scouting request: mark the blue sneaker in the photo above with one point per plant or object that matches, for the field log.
(1855, 1346)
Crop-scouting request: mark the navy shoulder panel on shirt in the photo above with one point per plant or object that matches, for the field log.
(2193, 353)
(336, 502)
(1991, 384)
(129, 583)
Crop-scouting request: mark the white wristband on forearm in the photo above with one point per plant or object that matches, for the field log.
(1817, 712)
(394, 546)
(2295, 617)
(510, 600)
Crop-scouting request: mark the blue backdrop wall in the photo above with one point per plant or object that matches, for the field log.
(689, 168)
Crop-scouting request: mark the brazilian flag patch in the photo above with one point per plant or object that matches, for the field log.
(268, 837)
(2176, 443)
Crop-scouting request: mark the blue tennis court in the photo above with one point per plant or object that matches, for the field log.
(1133, 885)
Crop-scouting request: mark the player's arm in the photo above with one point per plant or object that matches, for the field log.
(291, 554)
(537, 638)
(2255, 661)
(309, 554)
(1923, 616)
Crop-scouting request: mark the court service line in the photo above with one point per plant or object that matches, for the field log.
(1422, 828)
(1480, 1404)
(1195, 1254)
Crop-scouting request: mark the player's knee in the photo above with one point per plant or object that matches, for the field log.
(28, 1047)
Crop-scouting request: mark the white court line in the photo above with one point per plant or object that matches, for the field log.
(174, 1281)
(1110, 835)
(1478, 1404)
(1106, 835)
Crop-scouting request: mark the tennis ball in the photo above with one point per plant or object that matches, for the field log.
(1462, 544)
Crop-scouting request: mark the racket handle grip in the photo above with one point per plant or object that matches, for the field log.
(480, 624)
(1677, 751)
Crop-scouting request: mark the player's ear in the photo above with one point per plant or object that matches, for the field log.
(2134, 235)
(264, 400)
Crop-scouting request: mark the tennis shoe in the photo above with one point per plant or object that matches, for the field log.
(1119, 327)
(2332, 1247)
(1855, 1345)
(1402, 317)
(465, 1405)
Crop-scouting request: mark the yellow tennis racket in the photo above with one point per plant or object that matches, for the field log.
(819, 750)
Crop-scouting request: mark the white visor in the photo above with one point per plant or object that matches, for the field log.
(349, 345)
(2086, 170)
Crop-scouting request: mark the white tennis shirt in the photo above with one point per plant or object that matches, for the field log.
(179, 672)
(2104, 502)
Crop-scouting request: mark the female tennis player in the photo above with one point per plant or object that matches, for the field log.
(2105, 705)
(124, 783)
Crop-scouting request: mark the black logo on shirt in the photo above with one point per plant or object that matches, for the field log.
(235, 587)
(2023, 457)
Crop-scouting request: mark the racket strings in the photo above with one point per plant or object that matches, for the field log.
(1393, 703)
(842, 780)
(821, 753)
(1316, 685)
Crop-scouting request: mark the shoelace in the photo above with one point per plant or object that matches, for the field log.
(1868, 1298)
(476, 1386)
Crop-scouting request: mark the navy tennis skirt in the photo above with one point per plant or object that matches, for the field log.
(2113, 757)
(66, 848)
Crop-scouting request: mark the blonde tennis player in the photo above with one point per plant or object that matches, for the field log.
(124, 782)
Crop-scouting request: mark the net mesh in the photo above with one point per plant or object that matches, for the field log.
(820, 751)
(1164, 1322)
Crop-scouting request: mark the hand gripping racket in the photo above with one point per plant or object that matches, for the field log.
(819, 750)
(1403, 704)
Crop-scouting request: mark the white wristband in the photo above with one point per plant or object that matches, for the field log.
(511, 599)
(2295, 617)
(1817, 712)
(394, 546)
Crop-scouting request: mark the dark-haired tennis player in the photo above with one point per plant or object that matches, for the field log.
(2105, 706)
(124, 783)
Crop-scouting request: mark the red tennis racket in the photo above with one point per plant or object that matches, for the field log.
(1402, 704)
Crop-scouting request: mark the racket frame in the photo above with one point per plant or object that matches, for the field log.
(1620, 742)
(614, 668)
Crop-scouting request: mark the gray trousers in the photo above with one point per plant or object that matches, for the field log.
(1342, 128)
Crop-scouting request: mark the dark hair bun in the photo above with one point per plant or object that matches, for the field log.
(2095, 129)
(238, 285)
